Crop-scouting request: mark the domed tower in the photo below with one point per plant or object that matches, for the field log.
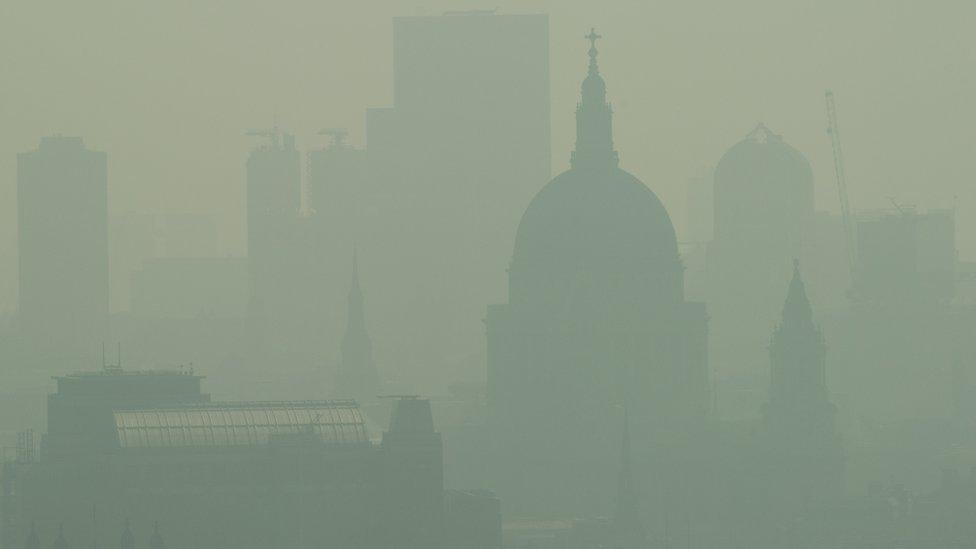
(763, 193)
(763, 203)
(596, 315)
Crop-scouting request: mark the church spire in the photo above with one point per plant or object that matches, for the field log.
(156, 540)
(797, 311)
(357, 376)
(628, 527)
(798, 398)
(128, 541)
(594, 118)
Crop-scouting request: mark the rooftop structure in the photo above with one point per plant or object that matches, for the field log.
(334, 422)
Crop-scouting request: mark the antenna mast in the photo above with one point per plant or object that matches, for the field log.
(845, 208)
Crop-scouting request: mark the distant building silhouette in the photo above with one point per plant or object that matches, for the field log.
(286, 299)
(156, 540)
(128, 540)
(357, 375)
(451, 165)
(906, 257)
(336, 186)
(62, 199)
(803, 458)
(253, 475)
(60, 542)
(596, 315)
(763, 217)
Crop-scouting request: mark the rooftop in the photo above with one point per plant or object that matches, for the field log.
(236, 424)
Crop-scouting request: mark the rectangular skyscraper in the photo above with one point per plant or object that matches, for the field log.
(62, 199)
(285, 304)
(453, 165)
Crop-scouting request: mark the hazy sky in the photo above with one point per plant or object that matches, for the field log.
(168, 88)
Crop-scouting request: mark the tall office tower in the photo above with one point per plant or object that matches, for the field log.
(452, 163)
(283, 302)
(62, 199)
(336, 176)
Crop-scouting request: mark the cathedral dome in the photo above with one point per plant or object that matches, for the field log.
(762, 181)
(596, 222)
(595, 236)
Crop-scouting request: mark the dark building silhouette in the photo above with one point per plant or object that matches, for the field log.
(906, 257)
(150, 445)
(804, 455)
(763, 217)
(473, 519)
(357, 375)
(62, 208)
(60, 542)
(156, 540)
(138, 237)
(128, 540)
(451, 165)
(596, 317)
(336, 183)
(286, 302)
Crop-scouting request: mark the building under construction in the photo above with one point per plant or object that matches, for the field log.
(125, 450)
(905, 256)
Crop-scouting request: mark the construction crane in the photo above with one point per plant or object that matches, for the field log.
(845, 207)
(338, 136)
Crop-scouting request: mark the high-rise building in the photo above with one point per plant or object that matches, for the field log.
(906, 257)
(336, 181)
(62, 199)
(285, 298)
(452, 163)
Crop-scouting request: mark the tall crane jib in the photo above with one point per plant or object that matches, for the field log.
(845, 208)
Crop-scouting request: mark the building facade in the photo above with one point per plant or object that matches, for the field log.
(138, 448)
(62, 208)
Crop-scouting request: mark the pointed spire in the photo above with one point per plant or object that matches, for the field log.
(357, 375)
(128, 541)
(628, 527)
(796, 309)
(594, 118)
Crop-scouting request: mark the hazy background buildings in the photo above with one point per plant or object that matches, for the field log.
(170, 108)
(304, 201)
